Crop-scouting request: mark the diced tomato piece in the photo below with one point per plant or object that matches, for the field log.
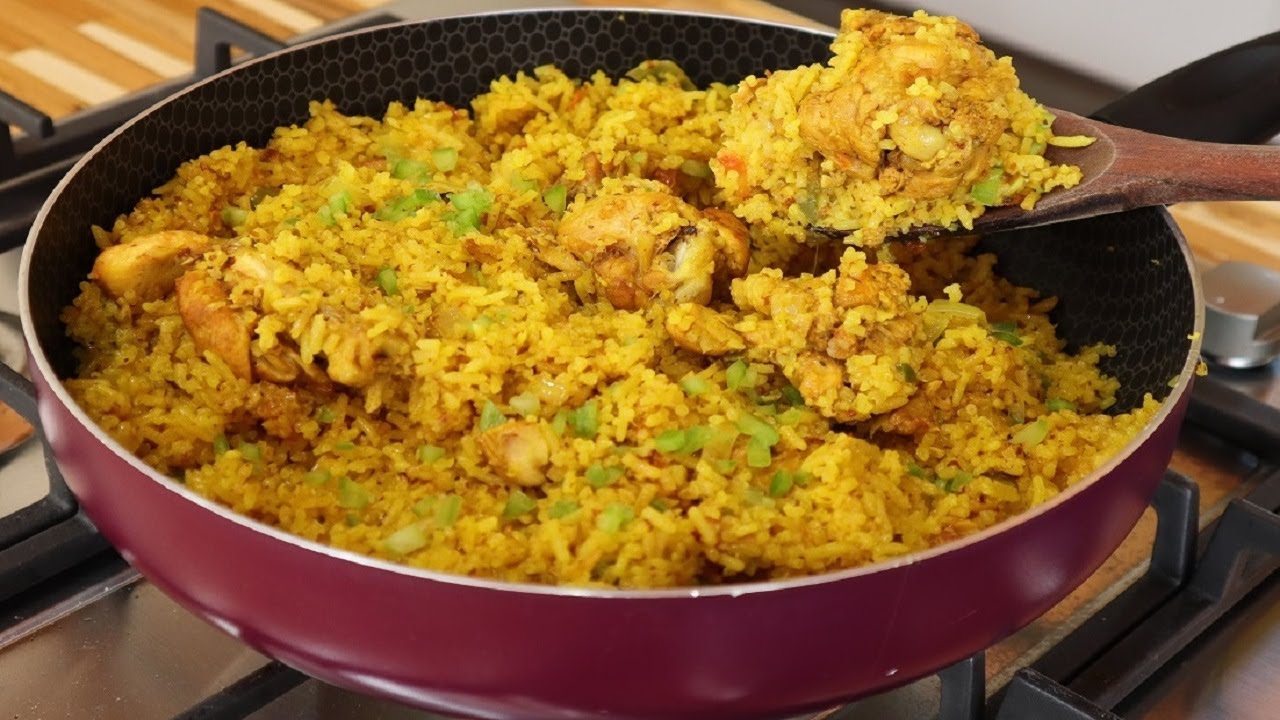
(733, 163)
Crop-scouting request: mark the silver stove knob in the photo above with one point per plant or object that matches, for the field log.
(1242, 318)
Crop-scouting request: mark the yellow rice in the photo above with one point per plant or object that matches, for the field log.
(778, 180)
(347, 467)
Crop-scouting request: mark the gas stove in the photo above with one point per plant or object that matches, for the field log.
(1182, 621)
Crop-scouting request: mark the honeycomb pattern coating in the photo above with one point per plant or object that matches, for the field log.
(1120, 280)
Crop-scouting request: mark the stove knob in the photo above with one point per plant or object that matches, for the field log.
(1242, 315)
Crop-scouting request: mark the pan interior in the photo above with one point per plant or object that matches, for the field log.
(1122, 280)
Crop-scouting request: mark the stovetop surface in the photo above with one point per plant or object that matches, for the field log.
(107, 644)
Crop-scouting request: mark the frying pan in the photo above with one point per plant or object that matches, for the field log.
(492, 649)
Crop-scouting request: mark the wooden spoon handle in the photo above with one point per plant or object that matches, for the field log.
(1127, 169)
(1155, 170)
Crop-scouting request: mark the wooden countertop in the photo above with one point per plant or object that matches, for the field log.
(69, 55)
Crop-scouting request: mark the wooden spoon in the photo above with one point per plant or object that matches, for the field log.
(1126, 169)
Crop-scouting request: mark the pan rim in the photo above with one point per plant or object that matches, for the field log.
(57, 387)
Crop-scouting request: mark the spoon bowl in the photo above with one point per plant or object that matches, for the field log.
(1127, 169)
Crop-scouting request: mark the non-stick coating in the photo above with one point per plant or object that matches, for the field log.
(501, 651)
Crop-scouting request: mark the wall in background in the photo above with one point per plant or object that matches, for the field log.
(1117, 41)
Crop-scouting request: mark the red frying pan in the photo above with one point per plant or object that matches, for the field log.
(492, 649)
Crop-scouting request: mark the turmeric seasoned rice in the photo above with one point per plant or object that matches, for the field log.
(913, 122)
(537, 342)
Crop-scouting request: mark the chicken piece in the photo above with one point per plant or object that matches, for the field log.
(147, 267)
(799, 310)
(350, 354)
(837, 124)
(518, 451)
(283, 365)
(878, 299)
(645, 244)
(733, 240)
(279, 365)
(884, 285)
(615, 270)
(547, 248)
(942, 141)
(213, 324)
(913, 419)
(281, 410)
(618, 237)
(276, 368)
(686, 269)
(716, 252)
(841, 338)
(878, 338)
(966, 161)
(702, 330)
(817, 375)
(253, 267)
(594, 174)
(916, 132)
(13, 429)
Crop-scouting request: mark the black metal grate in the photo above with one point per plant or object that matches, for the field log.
(1238, 419)
(51, 535)
(1140, 632)
(247, 695)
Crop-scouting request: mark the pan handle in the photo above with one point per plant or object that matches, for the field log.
(1232, 96)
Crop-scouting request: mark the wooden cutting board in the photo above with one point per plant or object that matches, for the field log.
(67, 55)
